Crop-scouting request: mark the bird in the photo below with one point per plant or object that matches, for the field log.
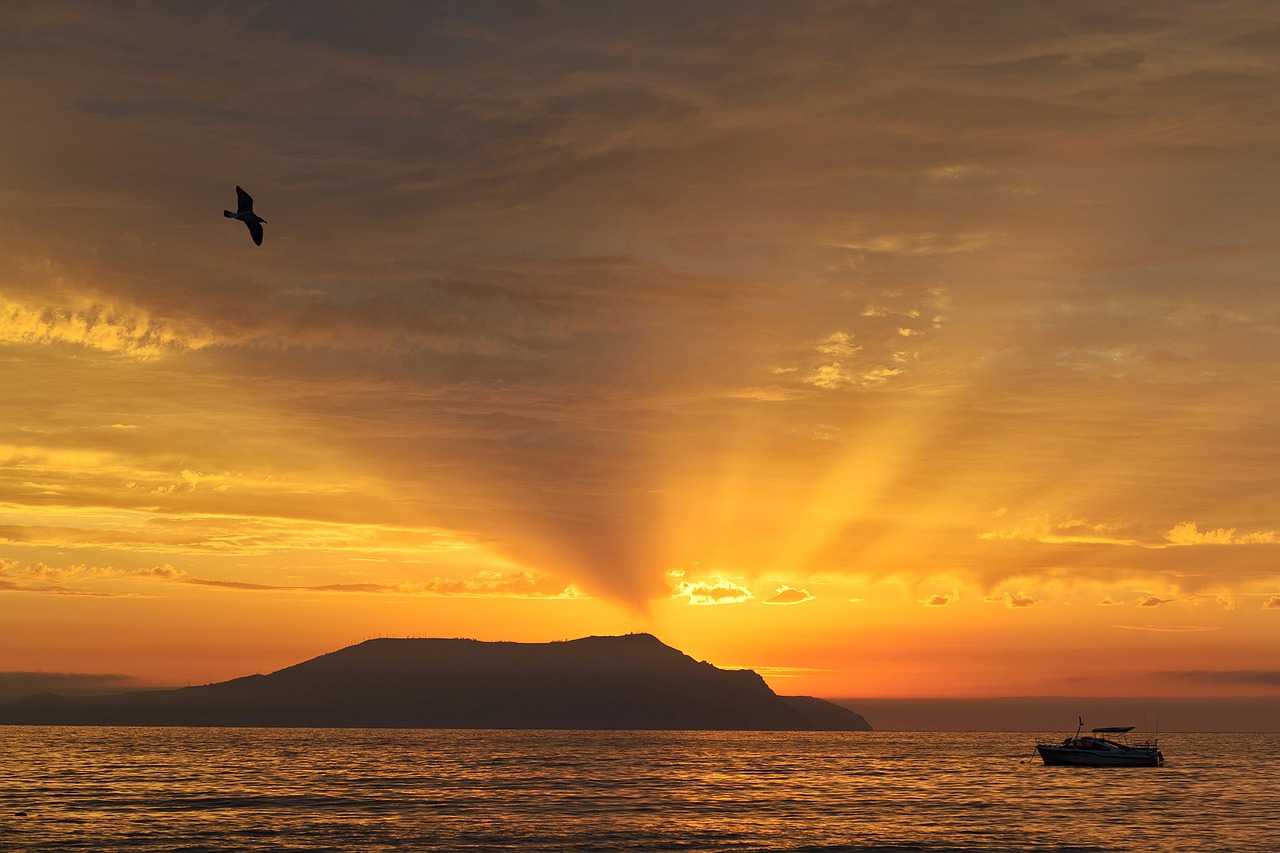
(244, 212)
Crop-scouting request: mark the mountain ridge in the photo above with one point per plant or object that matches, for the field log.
(632, 681)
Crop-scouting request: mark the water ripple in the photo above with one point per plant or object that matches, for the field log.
(150, 790)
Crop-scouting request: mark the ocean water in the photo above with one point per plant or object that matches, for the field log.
(185, 789)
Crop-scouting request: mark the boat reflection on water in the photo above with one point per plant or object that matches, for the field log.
(1099, 751)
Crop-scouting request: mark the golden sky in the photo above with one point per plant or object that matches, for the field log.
(888, 348)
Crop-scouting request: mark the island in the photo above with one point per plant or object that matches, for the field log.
(633, 681)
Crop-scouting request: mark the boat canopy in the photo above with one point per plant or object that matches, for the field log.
(1107, 730)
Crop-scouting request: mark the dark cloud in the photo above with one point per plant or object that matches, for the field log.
(16, 685)
(1117, 60)
(1238, 676)
(1048, 64)
(1266, 39)
(246, 585)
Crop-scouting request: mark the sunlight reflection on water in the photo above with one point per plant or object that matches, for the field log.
(147, 789)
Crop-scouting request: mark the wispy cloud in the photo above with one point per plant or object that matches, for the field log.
(1168, 629)
(89, 580)
(1231, 676)
(1063, 531)
(484, 585)
(1188, 533)
(98, 326)
(917, 244)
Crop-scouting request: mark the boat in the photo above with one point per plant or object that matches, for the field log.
(1100, 751)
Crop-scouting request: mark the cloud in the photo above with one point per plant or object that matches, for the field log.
(1154, 601)
(1167, 629)
(764, 394)
(715, 591)
(487, 584)
(772, 672)
(1063, 531)
(1272, 603)
(74, 580)
(1237, 676)
(544, 331)
(917, 244)
(838, 344)
(166, 572)
(789, 595)
(836, 375)
(1187, 533)
(242, 585)
(16, 685)
(941, 600)
(502, 584)
(1019, 599)
(80, 580)
(212, 531)
(103, 327)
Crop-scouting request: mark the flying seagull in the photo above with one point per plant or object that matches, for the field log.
(244, 212)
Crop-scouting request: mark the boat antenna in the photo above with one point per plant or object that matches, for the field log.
(1079, 727)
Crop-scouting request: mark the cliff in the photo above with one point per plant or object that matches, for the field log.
(627, 682)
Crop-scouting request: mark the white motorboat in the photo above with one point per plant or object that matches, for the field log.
(1100, 751)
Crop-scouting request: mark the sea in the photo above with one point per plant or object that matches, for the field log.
(234, 789)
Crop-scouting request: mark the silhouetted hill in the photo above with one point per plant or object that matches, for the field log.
(628, 682)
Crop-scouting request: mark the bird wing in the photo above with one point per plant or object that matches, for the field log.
(244, 200)
(255, 229)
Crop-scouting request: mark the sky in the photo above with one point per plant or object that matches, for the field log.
(925, 348)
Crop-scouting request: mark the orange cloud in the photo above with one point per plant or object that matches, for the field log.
(1168, 629)
(1187, 533)
(789, 595)
(710, 592)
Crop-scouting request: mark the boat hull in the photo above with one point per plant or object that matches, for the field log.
(1132, 757)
